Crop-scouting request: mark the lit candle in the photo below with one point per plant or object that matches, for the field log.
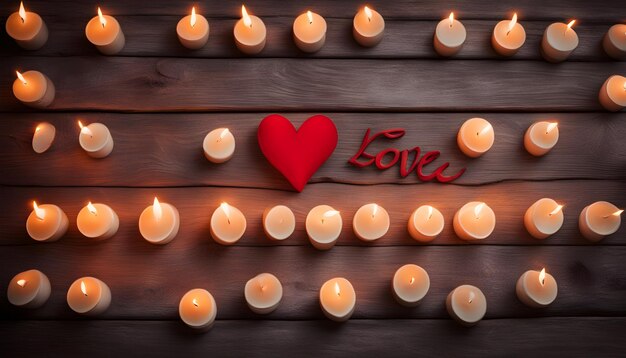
(197, 309)
(508, 36)
(466, 304)
(193, 30)
(559, 40)
(43, 137)
(450, 35)
(89, 296)
(536, 288)
(475, 137)
(219, 145)
(263, 293)
(309, 31)
(543, 218)
(33, 89)
(278, 222)
(227, 224)
(95, 139)
(159, 223)
(337, 299)
(425, 223)
(614, 42)
(474, 221)
(368, 27)
(29, 289)
(323, 226)
(612, 95)
(27, 29)
(410, 284)
(541, 137)
(371, 222)
(105, 33)
(46, 222)
(249, 33)
(599, 219)
(97, 221)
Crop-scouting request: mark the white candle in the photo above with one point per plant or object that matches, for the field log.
(475, 137)
(227, 224)
(371, 222)
(43, 137)
(278, 222)
(263, 293)
(29, 289)
(559, 40)
(450, 36)
(466, 304)
(97, 221)
(95, 139)
(544, 218)
(309, 32)
(612, 95)
(474, 221)
(249, 33)
(508, 36)
(536, 288)
(27, 29)
(46, 222)
(193, 30)
(541, 137)
(323, 226)
(614, 42)
(337, 299)
(89, 296)
(425, 223)
(33, 89)
(219, 145)
(368, 27)
(105, 33)
(159, 223)
(599, 220)
(410, 284)
(197, 309)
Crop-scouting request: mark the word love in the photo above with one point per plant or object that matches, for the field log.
(363, 159)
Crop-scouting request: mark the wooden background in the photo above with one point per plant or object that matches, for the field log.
(159, 100)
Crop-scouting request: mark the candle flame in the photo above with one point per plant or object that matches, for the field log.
(245, 17)
(195, 302)
(485, 129)
(412, 280)
(85, 129)
(21, 78)
(223, 134)
(471, 297)
(192, 20)
(261, 285)
(37, 129)
(92, 209)
(329, 214)
(512, 23)
(451, 18)
(430, 211)
(374, 210)
(556, 210)
(22, 12)
(542, 276)
(368, 13)
(337, 289)
(103, 21)
(226, 209)
(618, 213)
(477, 209)
(309, 15)
(39, 212)
(156, 209)
(21, 282)
(551, 127)
(83, 288)
(571, 23)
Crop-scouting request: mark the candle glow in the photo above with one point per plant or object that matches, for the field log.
(542, 276)
(21, 78)
(477, 209)
(92, 209)
(157, 210)
(39, 212)
(471, 297)
(451, 18)
(83, 288)
(192, 19)
(226, 209)
(368, 13)
(223, 134)
(618, 213)
(512, 23)
(21, 283)
(485, 129)
(337, 289)
(195, 302)
(103, 21)
(571, 23)
(329, 214)
(84, 129)
(430, 211)
(374, 210)
(309, 15)
(245, 17)
(22, 12)
(556, 210)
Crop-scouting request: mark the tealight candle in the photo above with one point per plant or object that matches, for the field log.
(508, 36)
(559, 40)
(543, 218)
(89, 296)
(612, 95)
(97, 221)
(95, 139)
(105, 33)
(541, 137)
(536, 289)
(371, 222)
(27, 29)
(614, 42)
(323, 226)
(159, 223)
(599, 219)
(425, 223)
(475, 137)
(219, 145)
(249, 33)
(466, 304)
(46, 222)
(278, 222)
(450, 36)
(263, 293)
(29, 289)
(410, 284)
(33, 89)
(193, 30)
(368, 27)
(43, 137)
(474, 221)
(309, 32)
(197, 309)
(337, 299)
(227, 224)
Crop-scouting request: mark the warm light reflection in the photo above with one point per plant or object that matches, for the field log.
(477, 209)
(551, 127)
(39, 212)
(21, 283)
(103, 21)
(85, 129)
(512, 23)
(542, 276)
(309, 15)
(22, 12)
(83, 288)
(92, 209)
(156, 209)
(195, 302)
(337, 289)
(471, 297)
(245, 17)
(368, 13)
(556, 210)
(226, 209)
(451, 18)
(192, 19)
(21, 78)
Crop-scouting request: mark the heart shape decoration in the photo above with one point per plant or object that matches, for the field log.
(297, 154)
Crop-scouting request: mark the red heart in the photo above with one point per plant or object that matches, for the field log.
(297, 154)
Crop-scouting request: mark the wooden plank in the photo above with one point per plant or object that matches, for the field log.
(174, 84)
(147, 281)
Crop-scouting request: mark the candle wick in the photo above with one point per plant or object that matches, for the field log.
(228, 219)
(322, 221)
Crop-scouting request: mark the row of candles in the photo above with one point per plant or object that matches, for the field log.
(309, 34)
